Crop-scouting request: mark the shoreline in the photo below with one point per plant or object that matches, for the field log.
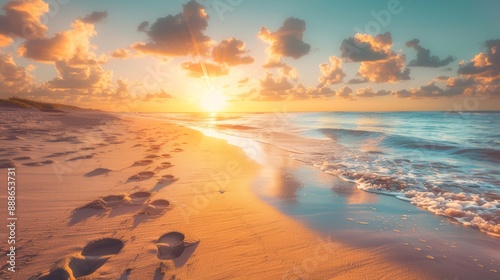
(230, 232)
(403, 232)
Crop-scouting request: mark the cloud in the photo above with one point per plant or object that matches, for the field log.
(287, 41)
(121, 53)
(274, 88)
(5, 40)
(379, 63)
(143, 26)
(247, 95)
(390, 70)
(231, 52)
(275, 84)
(485, 64)
(424, 58)
(82, 76)
(123, 89)
(442, 78)
(429, 91)
(459, 82)
(72, 44)
(243, 81)
(177, 35)
(403, 93)
(79, 69)
(138, 92)
(95, 17)
(364, 47)
(357, 81)
(162, 95)
(321, 92)
(22, 19)
(14, 79)
(331, 73)
(201, 69)
(344, 93)
(493, 52)
(481, 75)
(369, 92)
(288, 71)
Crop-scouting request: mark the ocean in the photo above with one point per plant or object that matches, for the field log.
(446, 163)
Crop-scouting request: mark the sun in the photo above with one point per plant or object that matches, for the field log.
(213, 101)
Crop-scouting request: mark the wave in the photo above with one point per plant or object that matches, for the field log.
(234, 126)
(479, 210)
(488, 154)
(394, 141)
(334, 133)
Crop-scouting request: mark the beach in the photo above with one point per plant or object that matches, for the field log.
(229, 232)
(230, 139)
(109, 196)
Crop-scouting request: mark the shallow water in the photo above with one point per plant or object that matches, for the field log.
(396, 230)
(446, 163)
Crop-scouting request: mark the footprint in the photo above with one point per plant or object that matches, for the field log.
(142, 162)
(110, 206)
(71, 139)
(12, 137)
(170, 245)
(103, 247)
(160, 272)
(97, 172)
(81, 157)
(144, 175)
(96, 208)
(154, 147)
(126, 274)
(164, 165)
(113, 200)
(177, 150)
(41, 163)
(174, 246)
(7, 163)
(152, 210)
(22, 158)
(155, 208)
(166, 155)
(92, 257)
(140, 197)
(168, 178)
(165, 180)
(153, 156)
(60, 154)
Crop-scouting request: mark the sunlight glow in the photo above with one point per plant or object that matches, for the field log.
(213, 101)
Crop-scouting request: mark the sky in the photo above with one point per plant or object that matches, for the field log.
(242, 55)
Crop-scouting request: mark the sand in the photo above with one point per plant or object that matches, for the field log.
(102, 196)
